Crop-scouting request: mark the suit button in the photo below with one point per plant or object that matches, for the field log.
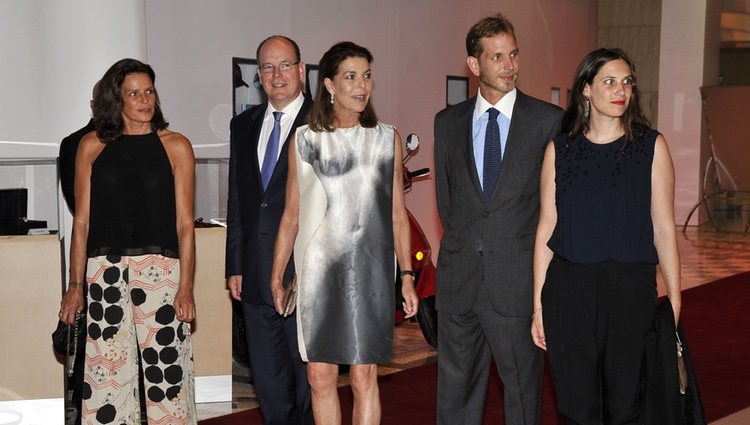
(486, 213)
(264, 205)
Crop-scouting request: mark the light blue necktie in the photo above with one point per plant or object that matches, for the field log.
(272, 150)
(493, 154)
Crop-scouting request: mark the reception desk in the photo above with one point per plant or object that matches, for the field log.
(212, 329)
(31, 275)
(30, 282)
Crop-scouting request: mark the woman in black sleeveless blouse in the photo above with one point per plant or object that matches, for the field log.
(133, 236)
(607, 219)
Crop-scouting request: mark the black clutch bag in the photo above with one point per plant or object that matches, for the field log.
(290, 297)
(65, 340)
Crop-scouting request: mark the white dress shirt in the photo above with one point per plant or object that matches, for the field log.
(290, 114)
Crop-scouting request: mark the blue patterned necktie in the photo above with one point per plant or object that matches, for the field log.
(272, 150)
(493, 154)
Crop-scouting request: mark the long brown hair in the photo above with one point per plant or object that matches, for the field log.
(321, 113)
(575, 121)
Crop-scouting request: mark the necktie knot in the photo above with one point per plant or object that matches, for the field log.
(277, 116)
(493, 113)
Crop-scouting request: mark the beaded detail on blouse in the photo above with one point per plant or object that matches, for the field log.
(603, 199)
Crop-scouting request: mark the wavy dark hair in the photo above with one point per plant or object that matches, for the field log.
(575, 122)
(108, 101)
(487, 27)
(321, 113)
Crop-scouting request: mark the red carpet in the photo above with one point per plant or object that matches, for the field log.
(717, 325)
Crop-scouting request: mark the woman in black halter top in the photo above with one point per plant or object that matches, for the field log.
(133, 238)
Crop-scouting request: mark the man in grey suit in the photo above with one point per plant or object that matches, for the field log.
(257, 186)
(488, 154)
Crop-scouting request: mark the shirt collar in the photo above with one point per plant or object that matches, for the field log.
(504, 105)
(290, 110)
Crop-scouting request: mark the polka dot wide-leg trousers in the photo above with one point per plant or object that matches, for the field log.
(129, 309)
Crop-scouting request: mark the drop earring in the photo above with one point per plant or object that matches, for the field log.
(586, 107)
(331, 98)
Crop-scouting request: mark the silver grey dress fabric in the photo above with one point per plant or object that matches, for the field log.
(344, 252)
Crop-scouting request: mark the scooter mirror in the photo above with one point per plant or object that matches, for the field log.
(412, 142)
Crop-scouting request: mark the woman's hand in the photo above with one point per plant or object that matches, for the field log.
(411, 302)
(184, 306)
(71, 303)
(277, 291)
(537, 330)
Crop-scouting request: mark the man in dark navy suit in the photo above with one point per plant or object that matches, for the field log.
(66, 161)
(257, 184)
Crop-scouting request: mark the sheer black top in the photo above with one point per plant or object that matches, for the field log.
(132, 199)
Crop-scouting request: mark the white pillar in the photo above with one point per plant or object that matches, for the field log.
(688, 60)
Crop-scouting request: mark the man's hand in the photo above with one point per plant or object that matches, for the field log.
(234, 284)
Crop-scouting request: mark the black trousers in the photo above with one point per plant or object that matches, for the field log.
(279, 375)
(595, 319)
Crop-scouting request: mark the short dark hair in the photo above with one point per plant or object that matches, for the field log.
(321, 114)
(574, 120)
(108, 101)
(282, 37)
(487, 27)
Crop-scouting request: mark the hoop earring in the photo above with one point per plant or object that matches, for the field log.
(332, 98)
(586, 107)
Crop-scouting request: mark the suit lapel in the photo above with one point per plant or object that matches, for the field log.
(256, 123)
(517, 133)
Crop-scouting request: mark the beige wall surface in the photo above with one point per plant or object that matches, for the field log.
(30, 293)
(635, 27)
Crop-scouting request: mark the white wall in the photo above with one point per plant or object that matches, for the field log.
(416, 43)
(190, 43)
(52, 54)
(193, 59)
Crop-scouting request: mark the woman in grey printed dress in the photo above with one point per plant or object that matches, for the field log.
(345, 217)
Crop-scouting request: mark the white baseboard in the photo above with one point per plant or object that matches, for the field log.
(51, 411)
(48, 411)
(212, 389)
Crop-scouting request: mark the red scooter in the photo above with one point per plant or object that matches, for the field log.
(424, 270)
